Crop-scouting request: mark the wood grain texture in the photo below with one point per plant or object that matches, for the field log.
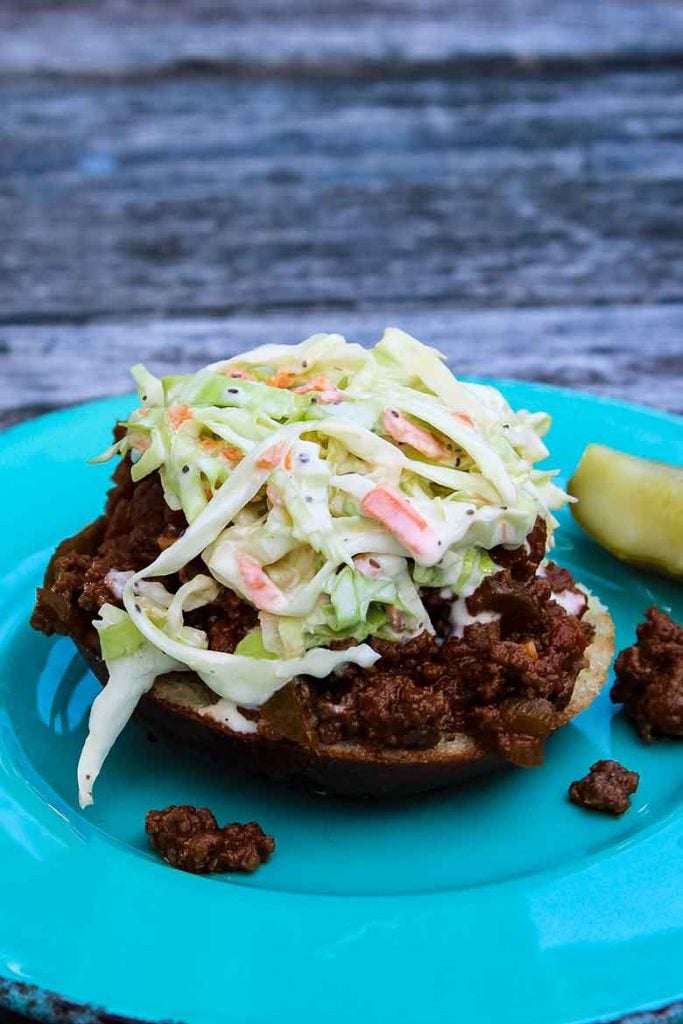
(180, 180)
(217, 196)
(115, 37)
(627, 352)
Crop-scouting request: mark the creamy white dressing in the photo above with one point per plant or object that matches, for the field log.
(460, 617)
(116, 581)
(226, 712)
(572, 602)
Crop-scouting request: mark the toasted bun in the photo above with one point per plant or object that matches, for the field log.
(172, 709)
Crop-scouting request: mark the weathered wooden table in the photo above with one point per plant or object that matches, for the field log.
(179, 180)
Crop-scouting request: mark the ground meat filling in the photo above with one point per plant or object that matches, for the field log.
(503, 681)
(649, 677)
(189, 838)
(137, 526)
(558, 578)
(606, 788)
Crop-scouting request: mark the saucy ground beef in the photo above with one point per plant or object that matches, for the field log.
(504, 681)
(189, 838)
(137, 526)
(649, 677)
(607, 788)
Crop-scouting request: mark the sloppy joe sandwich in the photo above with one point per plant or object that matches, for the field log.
(329, 563)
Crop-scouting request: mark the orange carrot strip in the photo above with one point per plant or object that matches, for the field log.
(217, 447)
(272, 456)
(406, 432)
(258, 586)
(390, 508)
(319, 383)
(274, 496)
(178, 414)
(333, 395)
(281, 379)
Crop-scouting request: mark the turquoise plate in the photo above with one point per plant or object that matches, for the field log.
(496, 903)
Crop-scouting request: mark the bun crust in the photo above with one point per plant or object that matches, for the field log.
(172, 706)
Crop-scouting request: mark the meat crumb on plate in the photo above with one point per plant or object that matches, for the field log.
(607, 788)
(649, 677)
(189, 838)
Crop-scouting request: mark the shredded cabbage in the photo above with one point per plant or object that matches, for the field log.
(326, 484)
(131, 675)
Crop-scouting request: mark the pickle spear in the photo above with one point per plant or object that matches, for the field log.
(631, 506)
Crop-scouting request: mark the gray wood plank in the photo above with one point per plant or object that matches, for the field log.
(124, 36)
(628, 352)
(215, 196)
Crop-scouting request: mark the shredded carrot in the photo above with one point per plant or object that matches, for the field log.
(141, 444)
(288, 460)
(333, 395)
(319, 383)
(258, 587)
(271, 457)
(282, 379)
(406, 432)
(209, 444)
(217, 447)
(400, 517)
(465, 418)
(273, 495)
(178, 414)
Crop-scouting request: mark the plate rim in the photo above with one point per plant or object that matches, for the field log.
(49, 1007)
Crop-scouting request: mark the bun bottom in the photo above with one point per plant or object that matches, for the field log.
(171, 709)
